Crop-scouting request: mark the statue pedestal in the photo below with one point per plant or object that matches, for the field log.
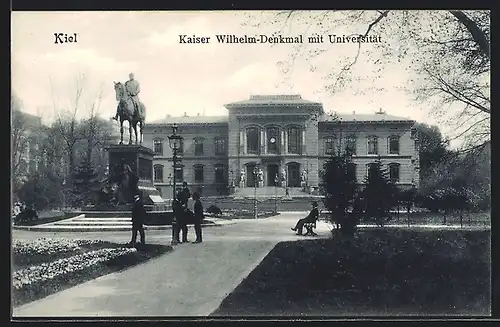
(140, 160)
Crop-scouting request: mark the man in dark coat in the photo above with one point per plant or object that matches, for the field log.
(184, 195)
(198, 217)
(138, 217)
(311, 218)
(180, 214)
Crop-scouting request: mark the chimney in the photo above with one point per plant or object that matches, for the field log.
(380, 112)
(185, 114)
(354, 112)
(198, 114)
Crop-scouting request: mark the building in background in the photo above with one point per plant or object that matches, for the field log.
(286, 137)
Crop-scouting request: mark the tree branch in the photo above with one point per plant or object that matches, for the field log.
(478, 35)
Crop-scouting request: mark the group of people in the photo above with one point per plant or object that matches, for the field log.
(182, 215)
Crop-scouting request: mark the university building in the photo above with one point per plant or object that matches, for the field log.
(278, 140)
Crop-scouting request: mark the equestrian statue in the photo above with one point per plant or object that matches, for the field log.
(129, 107)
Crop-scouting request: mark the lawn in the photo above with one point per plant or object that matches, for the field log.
(45, 266)
(378, 273)
(45, 219)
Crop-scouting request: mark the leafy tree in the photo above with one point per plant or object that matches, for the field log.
(339, 187)
(447, 52)
(379, 194)
(85, 182)
(41, 190)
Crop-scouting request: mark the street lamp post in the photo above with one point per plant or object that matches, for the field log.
(255, 176)
(174, 142)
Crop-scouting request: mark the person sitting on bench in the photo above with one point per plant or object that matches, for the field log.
(311, 218)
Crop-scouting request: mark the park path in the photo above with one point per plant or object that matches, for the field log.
(192, 280)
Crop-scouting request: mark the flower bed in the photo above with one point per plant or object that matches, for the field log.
(45, 266)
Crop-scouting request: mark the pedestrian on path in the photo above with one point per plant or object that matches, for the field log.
(138, 217)
(311, 218)
(198, 217)
(180, 214)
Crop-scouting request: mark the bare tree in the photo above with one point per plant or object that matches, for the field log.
(19, 138)
(448, 50)
(66, 120)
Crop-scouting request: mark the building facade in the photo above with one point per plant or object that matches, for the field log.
(281, 140)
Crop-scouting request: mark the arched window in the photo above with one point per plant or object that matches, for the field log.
(350, 142)
(198, 146)
(158, 173)
(253, 140)
(158, 147)
(393, 144)
(394, 172)
(272, 134)
(372, 144)
(198, 173)
(330, 145)
(219, 173)
(294, 140)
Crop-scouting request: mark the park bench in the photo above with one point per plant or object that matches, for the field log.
(309, 229)
(310, 226)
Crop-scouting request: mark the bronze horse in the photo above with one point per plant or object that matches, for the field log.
(127, 111)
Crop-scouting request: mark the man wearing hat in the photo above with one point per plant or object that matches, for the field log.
(138, 217)
(311, 218)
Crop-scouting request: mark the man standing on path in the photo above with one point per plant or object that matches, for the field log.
(185, 194)
(198, 217)
(138, 217)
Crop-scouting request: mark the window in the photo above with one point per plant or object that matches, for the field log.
(351, 170)
(179, 174)
(372, 145)
(272, 134)
(294, 140)
(394, 172)
(158, 174)
(198, 173)
(350, 142)
(253, 140)
(219, 173)
(369, 168)
(330, 145)
(198, 146)
(158, 147)
(393, 141)
(220, 146)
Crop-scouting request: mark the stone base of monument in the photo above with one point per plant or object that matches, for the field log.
(140, 159)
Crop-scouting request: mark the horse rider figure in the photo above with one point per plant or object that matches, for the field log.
(133, 88)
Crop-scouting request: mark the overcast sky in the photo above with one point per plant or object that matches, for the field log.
(177, 78)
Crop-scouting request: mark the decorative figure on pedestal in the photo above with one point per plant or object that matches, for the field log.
(260, 175)
(242, 178)
(283, 176)
(303, 179)
(130, 108)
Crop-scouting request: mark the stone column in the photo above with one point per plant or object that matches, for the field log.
(282, 141)
(285, 148)
(242, 143)
(262, 140)
(303, 141)
(265, 140)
